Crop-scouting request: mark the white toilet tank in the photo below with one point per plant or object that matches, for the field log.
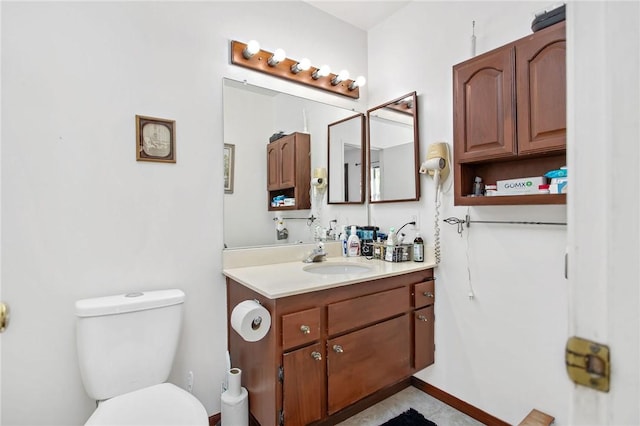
(127, 342)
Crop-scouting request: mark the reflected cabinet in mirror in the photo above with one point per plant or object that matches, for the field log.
(346, 161)
(393, 151)
(252, 115)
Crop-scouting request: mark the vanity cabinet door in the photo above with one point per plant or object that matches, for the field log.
(365, 361)
(303, 385)
(424, 345)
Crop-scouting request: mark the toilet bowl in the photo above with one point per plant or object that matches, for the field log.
(126, 347)
(160, 405)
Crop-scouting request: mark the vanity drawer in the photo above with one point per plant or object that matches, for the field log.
(300, 328)
(424, 294)
(359, 311)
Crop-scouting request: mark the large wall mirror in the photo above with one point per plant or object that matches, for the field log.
(251, 115)
(346, 155)
(393, 151)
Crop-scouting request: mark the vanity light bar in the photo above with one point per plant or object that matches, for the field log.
(403, 106)
(283, 69)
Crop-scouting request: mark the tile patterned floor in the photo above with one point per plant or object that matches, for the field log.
(431, 408)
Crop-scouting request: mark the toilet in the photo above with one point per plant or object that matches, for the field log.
(126, 346)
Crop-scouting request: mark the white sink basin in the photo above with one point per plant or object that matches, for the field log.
(336, 268)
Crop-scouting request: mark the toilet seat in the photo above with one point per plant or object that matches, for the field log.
(164, 404)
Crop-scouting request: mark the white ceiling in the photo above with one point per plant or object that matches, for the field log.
(362, 14)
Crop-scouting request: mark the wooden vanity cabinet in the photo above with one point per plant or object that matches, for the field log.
(289, 170)
(330, 349)
(510, 115)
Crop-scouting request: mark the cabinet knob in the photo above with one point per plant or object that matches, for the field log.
(305, 329)
(423, 318)
(338, 349)
(316, 355)
(428, 294)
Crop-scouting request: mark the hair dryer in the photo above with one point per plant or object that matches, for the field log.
(437, 162)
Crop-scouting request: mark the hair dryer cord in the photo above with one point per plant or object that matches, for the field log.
(436, 227)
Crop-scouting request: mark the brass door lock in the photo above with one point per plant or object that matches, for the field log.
(588, 363)
(4, 316)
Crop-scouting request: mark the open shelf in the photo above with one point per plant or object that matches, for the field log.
(507, 168)
(510, 200)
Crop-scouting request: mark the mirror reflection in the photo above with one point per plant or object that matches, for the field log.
(393, 151)
(346, 161)
(252, 115)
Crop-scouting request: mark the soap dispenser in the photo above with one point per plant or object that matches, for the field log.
(353, 243)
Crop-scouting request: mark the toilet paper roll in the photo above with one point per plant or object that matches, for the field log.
(250, 320)
(235, 409)
(234, 378)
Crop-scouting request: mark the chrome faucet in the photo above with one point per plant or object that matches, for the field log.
(317, 255)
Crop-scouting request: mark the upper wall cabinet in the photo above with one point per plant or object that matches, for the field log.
(510, 115)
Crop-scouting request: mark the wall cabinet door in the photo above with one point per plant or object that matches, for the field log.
(542, 92)
(303, 385)
(273, 161)
(362, 362)
(281, 163)
(484, 113)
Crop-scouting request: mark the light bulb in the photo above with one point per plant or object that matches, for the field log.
(342, 75)
(358, 82)
(277, 57)
(252, 48)
(303, 65)
(323, 71)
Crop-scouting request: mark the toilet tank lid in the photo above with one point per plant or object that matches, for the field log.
(129, 302)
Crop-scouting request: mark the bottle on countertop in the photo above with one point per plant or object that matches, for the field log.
(390, 245)
(418, 248)
(353, 243)
(343, 242)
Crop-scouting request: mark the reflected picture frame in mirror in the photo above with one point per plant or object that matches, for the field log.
(346, 160)
(393, 151)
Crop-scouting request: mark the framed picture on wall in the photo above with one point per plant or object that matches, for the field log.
(155, 139)
(229, 160)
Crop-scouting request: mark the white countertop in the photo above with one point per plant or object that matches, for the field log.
(278, 280)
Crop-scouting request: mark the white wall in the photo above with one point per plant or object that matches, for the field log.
(502, 351)
(81, 217)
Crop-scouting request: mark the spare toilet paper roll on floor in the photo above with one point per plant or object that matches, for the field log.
(235, 401)
(250, 320)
